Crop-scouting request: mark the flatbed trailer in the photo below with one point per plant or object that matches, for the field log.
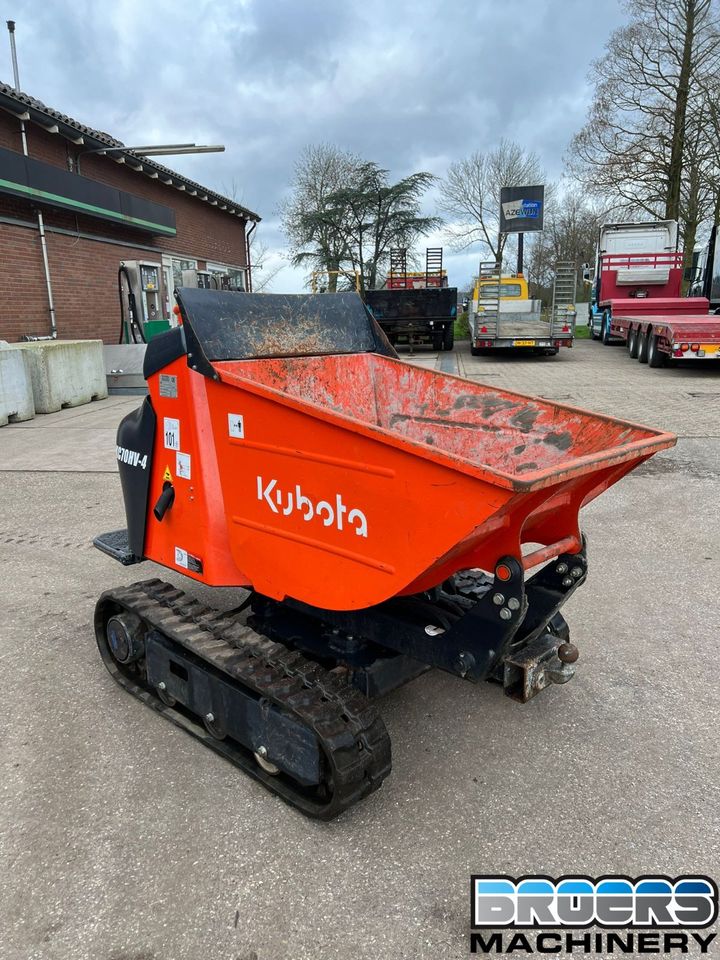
(681, 329)
(415, 316)
(416, 307)
(656, 329)
(501, 322)
(633, 261)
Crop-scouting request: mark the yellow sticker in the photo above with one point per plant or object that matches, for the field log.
(167, 476)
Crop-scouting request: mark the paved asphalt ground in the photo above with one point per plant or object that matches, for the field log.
(121, 838)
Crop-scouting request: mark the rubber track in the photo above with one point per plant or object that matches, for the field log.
(353, 738)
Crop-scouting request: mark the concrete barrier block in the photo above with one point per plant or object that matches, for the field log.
(16, 396)
(65, 373)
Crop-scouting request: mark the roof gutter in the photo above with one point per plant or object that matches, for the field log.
(22, 106)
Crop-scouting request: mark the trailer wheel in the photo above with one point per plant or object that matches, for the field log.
(656, 358)
(605, 329)
(448, 341)
(475, 351)
(643, 346)
(633, 342)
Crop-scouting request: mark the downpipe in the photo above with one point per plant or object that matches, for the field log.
(247, 256)
(48, 283)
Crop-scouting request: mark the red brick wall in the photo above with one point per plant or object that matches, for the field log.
(84, 272)
(84, 284)
(23, 298)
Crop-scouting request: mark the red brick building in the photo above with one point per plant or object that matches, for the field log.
(98, 211)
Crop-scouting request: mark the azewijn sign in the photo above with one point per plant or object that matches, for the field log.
(521, 209)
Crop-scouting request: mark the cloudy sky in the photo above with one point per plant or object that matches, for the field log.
(411, 85)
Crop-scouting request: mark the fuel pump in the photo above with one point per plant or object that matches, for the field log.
(205, 279)
(140, 301)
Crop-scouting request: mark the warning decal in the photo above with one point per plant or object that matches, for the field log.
(188, 561)
(167, 476)
(182, 465)
(236, 426)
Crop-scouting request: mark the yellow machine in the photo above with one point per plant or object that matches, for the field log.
(513, 287)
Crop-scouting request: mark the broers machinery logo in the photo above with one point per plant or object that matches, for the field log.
(654, 914)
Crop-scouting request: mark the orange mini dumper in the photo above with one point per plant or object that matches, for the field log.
(383, 516)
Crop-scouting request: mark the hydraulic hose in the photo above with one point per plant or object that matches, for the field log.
(133, 327)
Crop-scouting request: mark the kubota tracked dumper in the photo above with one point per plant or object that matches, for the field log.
(284, 448)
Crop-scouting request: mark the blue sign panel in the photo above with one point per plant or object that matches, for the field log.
(521, 209)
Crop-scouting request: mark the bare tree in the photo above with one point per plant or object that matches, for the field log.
(259, 253)
(470, 194)
(320, 172)
(645, 143)
(570, 233)
(263, 270)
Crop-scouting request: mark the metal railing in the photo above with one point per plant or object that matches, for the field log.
(562, 311)
(488, 309)
(619, 261)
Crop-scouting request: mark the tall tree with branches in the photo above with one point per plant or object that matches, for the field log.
(470, 194)
(376, 215)
(646, 139)
(570, 233)
(318, 242)
(354, 225)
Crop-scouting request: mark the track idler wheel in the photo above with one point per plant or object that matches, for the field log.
(125, 636)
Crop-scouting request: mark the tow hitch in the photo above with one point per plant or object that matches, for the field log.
(546, 660)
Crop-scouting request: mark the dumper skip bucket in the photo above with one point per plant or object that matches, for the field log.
(311, 463)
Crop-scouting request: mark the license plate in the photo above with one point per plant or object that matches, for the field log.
(709, 348)
(523, 343)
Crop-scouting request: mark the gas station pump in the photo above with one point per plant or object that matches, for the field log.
(205, 279)
(140, 301)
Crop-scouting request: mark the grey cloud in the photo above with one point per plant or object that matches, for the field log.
(407, 84)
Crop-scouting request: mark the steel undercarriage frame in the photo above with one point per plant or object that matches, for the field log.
(284, 692)
(469, 626)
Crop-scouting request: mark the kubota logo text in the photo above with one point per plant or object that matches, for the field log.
(333, 513)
